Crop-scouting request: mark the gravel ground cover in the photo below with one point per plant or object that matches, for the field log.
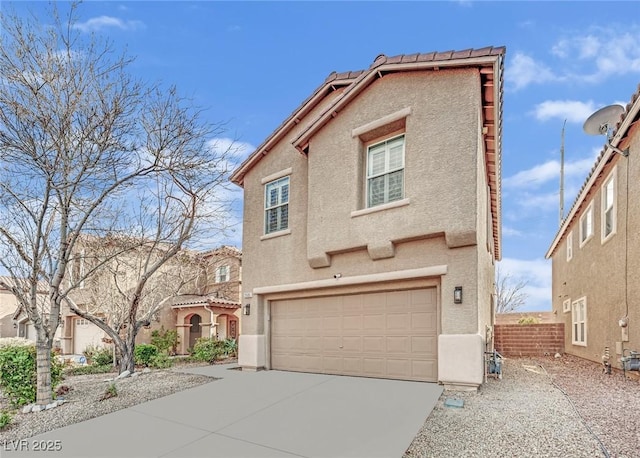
(527, 414)
(83, 399)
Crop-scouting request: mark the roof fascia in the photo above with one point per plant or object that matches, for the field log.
(602, 162)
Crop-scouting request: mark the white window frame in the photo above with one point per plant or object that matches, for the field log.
(610, 181)
(579, 322)
(387, 170)
(220, 270)
(81, 269)
(566, 306)
(586, 233)
(279, 184)
(569, 246)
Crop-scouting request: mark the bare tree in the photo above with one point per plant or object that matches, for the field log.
(510, 294)
(80, 140)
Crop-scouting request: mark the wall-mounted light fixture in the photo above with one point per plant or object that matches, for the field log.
(457, 295)
(247, 309)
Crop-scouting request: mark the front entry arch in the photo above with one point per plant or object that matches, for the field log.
(195, 330)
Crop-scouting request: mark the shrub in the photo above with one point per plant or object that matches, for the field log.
(111, 391)
(98, 356)
(208, 350)
(528, 320)
(166, 340)
(144, 353)
(161, 361)
(5, 419)
(86, 370)
(18, 374)
(231, 347)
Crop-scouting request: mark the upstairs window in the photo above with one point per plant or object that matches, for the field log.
(276, 206)
(586, 225)
(608, 207)
(385, 171)
(222, 274)
(570, 246)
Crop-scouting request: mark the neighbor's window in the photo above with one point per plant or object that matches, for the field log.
(276, 206)
(566, 306)
(608, 207)
(579, 322)
(586, 225)
(385, 171)
(222, 274)
(570, 246)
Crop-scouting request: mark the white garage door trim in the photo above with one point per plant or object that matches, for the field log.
(409, 364)
(85, 334)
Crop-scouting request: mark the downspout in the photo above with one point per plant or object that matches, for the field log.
(212, 327)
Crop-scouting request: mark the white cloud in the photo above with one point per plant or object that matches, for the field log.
(537, 275)
(600, 52)
(508, 231)
(524, 70)
(550, 170)
(104, 22)
(571, 110)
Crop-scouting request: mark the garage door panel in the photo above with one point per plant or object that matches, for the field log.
(383, 334)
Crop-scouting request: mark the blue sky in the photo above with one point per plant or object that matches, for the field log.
(252, 63)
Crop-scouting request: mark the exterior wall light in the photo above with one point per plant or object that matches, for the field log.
(457, 295)
(247, 309)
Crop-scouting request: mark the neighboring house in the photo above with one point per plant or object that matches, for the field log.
(8, 304)
(207, 306)
(596, 252)
(215, 310)
(372, 223)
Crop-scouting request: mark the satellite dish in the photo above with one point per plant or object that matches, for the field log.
(603, 120)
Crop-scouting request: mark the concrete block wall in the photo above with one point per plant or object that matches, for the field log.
(529, 339)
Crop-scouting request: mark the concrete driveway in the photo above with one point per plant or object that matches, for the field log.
(258, 414)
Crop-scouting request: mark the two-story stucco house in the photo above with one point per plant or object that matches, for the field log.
(372, 223)
(596, 252)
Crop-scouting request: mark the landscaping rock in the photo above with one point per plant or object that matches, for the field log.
(53, 405)
(124, 374)
(27, 408)
(37, 408)
(146, 370)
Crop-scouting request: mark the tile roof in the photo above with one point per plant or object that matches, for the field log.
(629, 116)
(208, 300)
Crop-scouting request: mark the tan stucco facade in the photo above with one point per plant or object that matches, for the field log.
(439, 234)
(602, 271)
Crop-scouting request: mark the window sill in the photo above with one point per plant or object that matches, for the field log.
(379, 208)
(276, 234)
(585, 241)
(607, 238)
(579, 344)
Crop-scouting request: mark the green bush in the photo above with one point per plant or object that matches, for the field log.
(161, 361)
(18, 376)
(86, 370)
(231, 347)
(166, 340)
(5, 419)
(208, 350)
(144, 353)
(98, 356)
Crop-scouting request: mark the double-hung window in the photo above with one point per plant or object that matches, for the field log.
(276, 206)
(608, 207)
(586, 225)
(570, 246)
(579, 322)
(385, 171)
(222, 274)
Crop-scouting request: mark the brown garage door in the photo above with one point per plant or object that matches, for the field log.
(386, 334)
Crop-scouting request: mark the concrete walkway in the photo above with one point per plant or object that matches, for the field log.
(258, 414)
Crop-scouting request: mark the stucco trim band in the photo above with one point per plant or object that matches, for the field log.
(432, 271)
(381, 122)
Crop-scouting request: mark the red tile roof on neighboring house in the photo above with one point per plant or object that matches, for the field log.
(209, 300)
(628, 118)
(489, 60)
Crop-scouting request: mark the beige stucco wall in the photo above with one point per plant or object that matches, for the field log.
(444, 223)
(8, 305)
(597, 270)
